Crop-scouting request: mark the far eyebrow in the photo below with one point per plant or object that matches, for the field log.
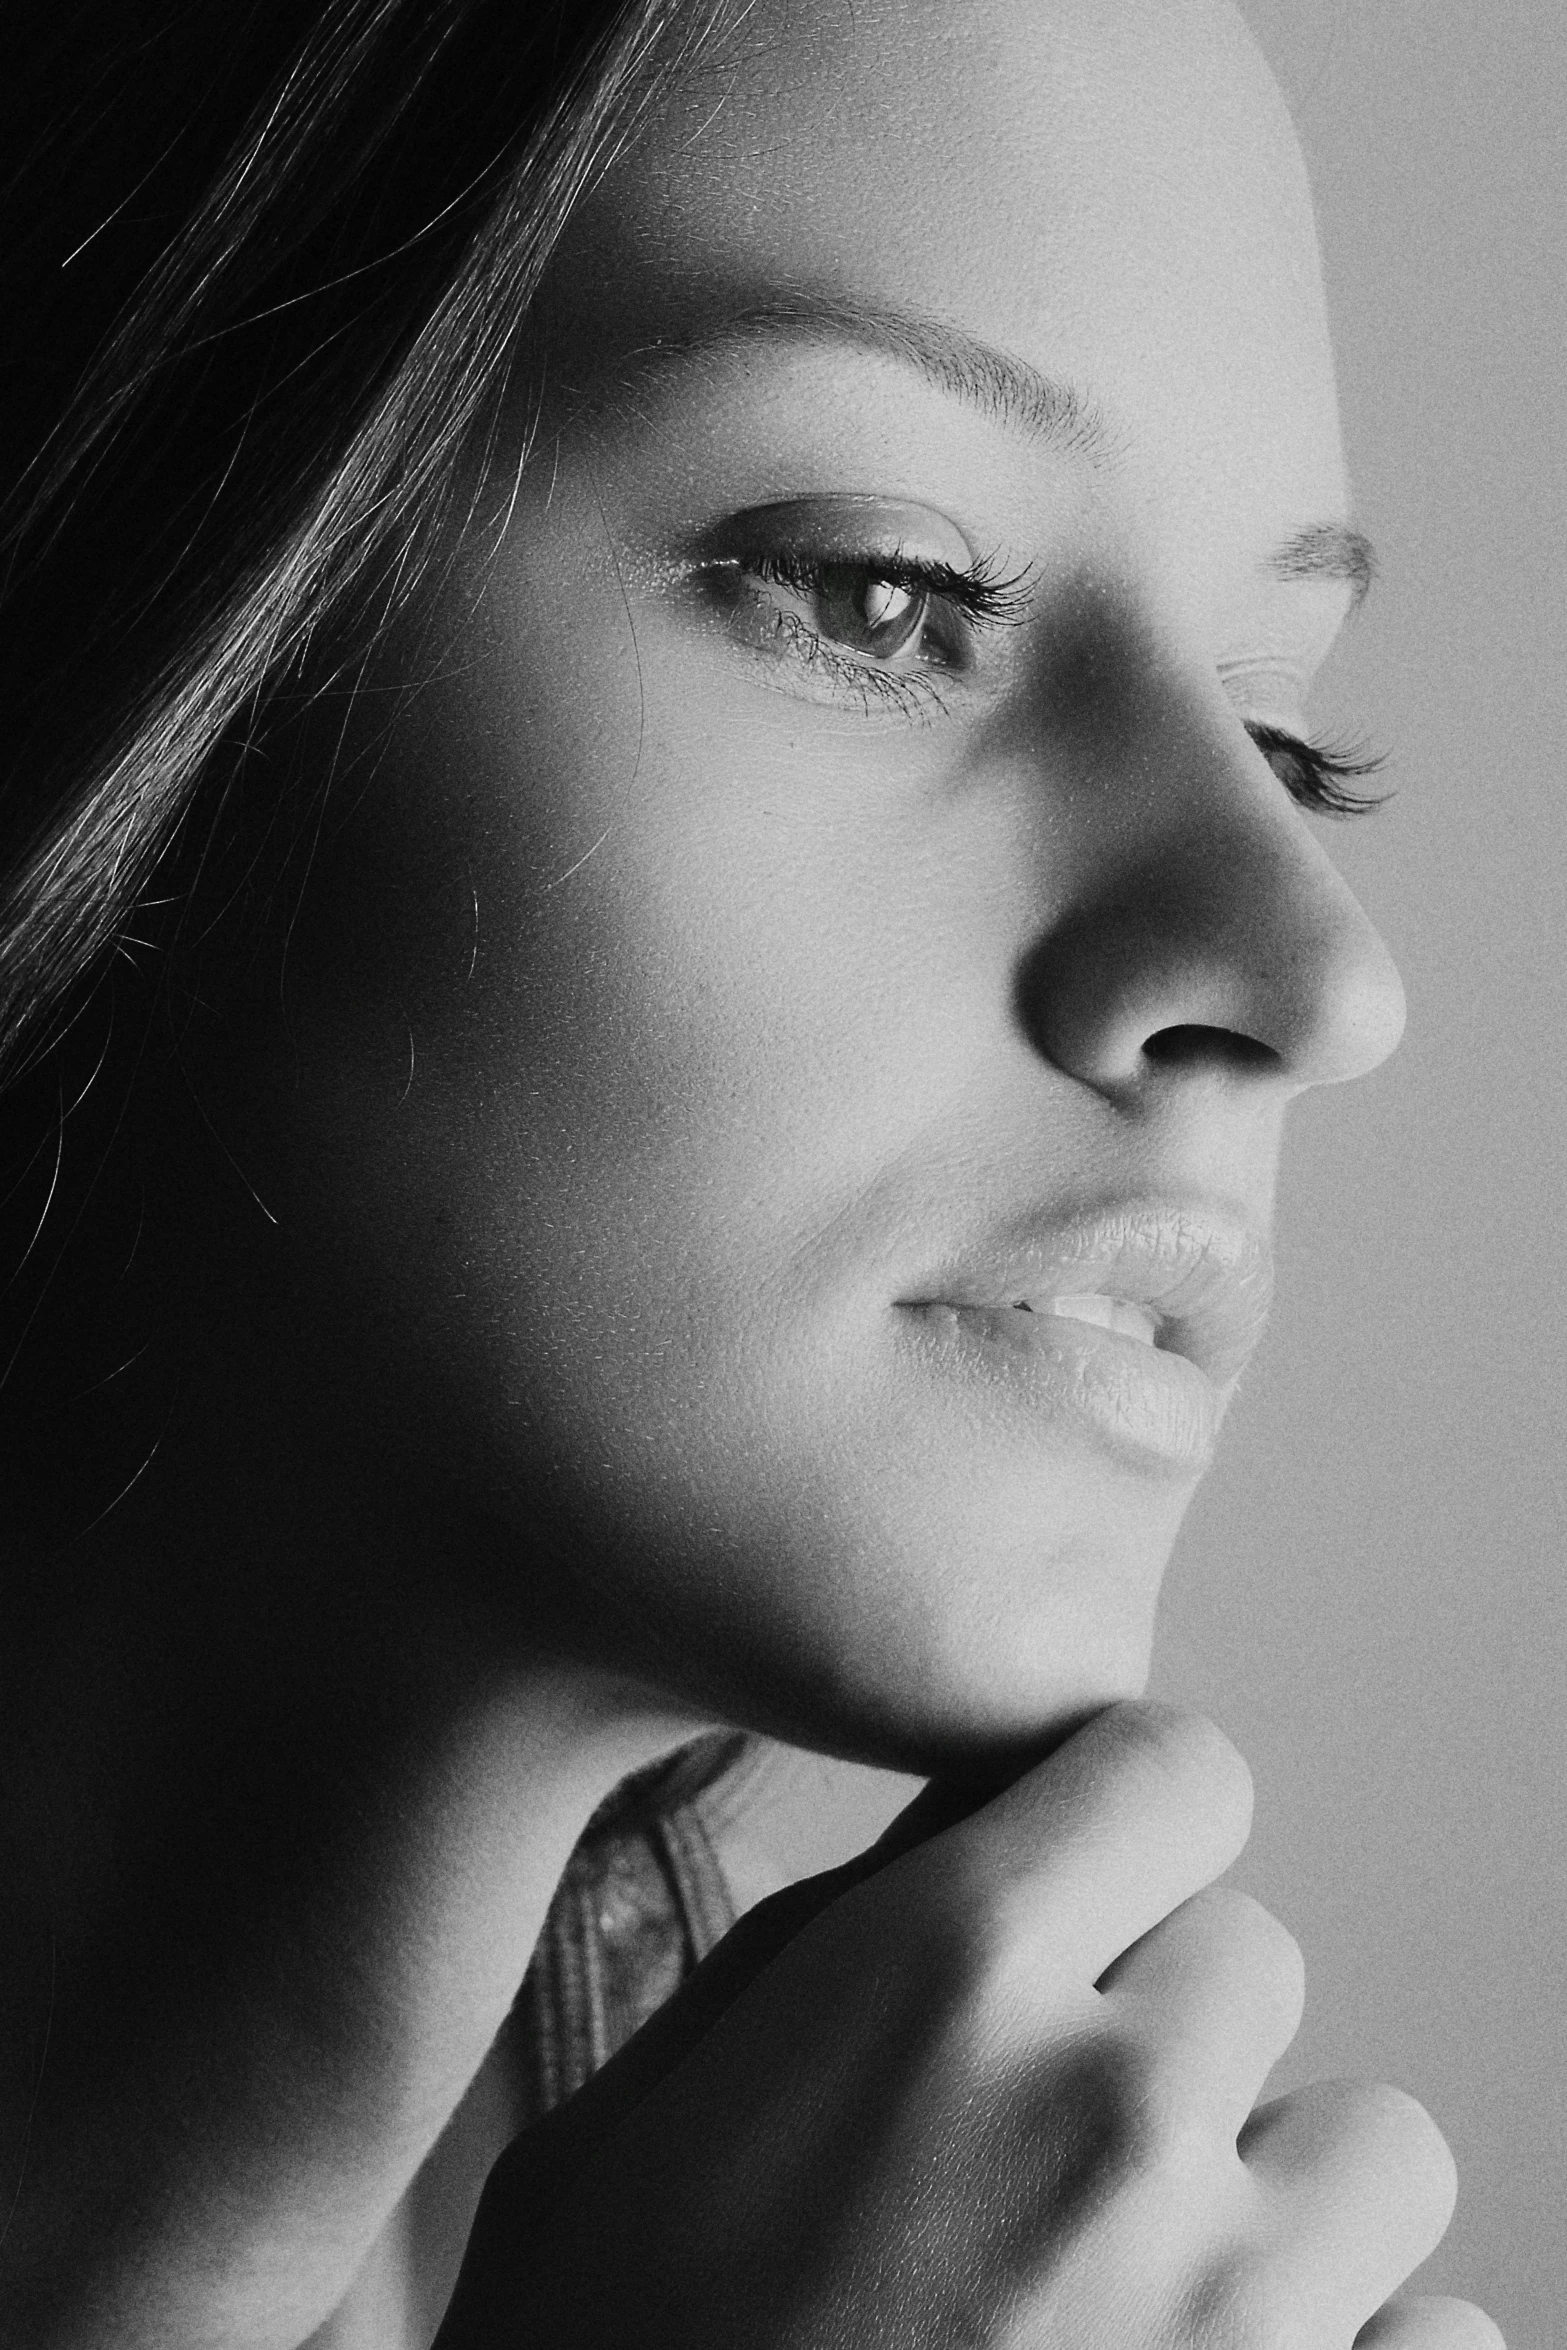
(1328, 550)
(981, 375)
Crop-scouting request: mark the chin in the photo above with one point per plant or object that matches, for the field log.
(996, 1688)
(935, 1624)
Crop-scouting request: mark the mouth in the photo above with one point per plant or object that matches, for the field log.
(1120, 1314)
(1134, 1323)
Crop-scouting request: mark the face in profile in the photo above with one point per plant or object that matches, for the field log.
(793, 1026)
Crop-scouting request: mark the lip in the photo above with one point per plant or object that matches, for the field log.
(1202, 1273)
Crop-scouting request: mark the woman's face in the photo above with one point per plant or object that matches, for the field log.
(792, 1038)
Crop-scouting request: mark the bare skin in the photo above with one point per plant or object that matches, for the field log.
(1055, 2134)
(580, 1315)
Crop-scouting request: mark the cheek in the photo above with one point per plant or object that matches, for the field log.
(695, 1006)
(577, 1013)
(616, 1084)
(627, 1012)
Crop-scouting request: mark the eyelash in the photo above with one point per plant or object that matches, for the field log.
(1320, 777)
(980, 597)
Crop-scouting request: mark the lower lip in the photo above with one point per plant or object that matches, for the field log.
(1152, 1408)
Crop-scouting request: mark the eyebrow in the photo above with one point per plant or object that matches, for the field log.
(980, 375)
(1328, 550)
(998, 385)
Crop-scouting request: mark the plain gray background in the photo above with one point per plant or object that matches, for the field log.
(1371, 1591)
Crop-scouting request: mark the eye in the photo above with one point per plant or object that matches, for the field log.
(857, 607)
(1316, 775)
(884, 630)
(883, 606)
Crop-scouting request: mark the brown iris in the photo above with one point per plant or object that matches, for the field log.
(871, 614)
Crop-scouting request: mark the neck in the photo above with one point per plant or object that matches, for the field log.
(298, 1789)
(292, 1755)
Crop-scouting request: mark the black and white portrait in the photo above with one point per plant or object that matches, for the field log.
(781, 1013)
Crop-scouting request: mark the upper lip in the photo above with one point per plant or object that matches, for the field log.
(1204, 1273)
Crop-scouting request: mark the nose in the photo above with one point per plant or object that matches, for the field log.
(1206, 929)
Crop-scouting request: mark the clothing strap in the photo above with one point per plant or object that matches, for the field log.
(640, 1904)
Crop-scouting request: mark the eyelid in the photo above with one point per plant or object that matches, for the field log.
(1268, 691)
(838, 526)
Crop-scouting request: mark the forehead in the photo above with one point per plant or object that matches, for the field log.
(1109, 188)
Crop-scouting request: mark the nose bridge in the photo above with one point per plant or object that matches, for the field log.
(1206, 922)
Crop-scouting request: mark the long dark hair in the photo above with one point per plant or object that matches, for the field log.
(263, 272)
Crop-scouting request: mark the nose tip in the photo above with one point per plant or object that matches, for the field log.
(1361, 1014)
(1244, 953)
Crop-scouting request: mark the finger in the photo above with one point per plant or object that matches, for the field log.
(1366, 2185)
(1421, 2322)
(729, 1969)
(1216, 1990)
(1160, 1801)
(1080, 1857)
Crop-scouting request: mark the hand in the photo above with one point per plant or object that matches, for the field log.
(994, 2089)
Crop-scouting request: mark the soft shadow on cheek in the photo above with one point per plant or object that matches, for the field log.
(601, 1019)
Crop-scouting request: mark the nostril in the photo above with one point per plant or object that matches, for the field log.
(1257, 967)
(1186, 1045)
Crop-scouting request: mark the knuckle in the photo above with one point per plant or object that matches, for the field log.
(1253, 1938)
(1233, 1941)
(1422, 2322)
(1399, 2128)
(1459, 2325)
(1276, 1962)
(1380, 2131)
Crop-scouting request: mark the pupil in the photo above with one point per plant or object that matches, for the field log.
(870, 614)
